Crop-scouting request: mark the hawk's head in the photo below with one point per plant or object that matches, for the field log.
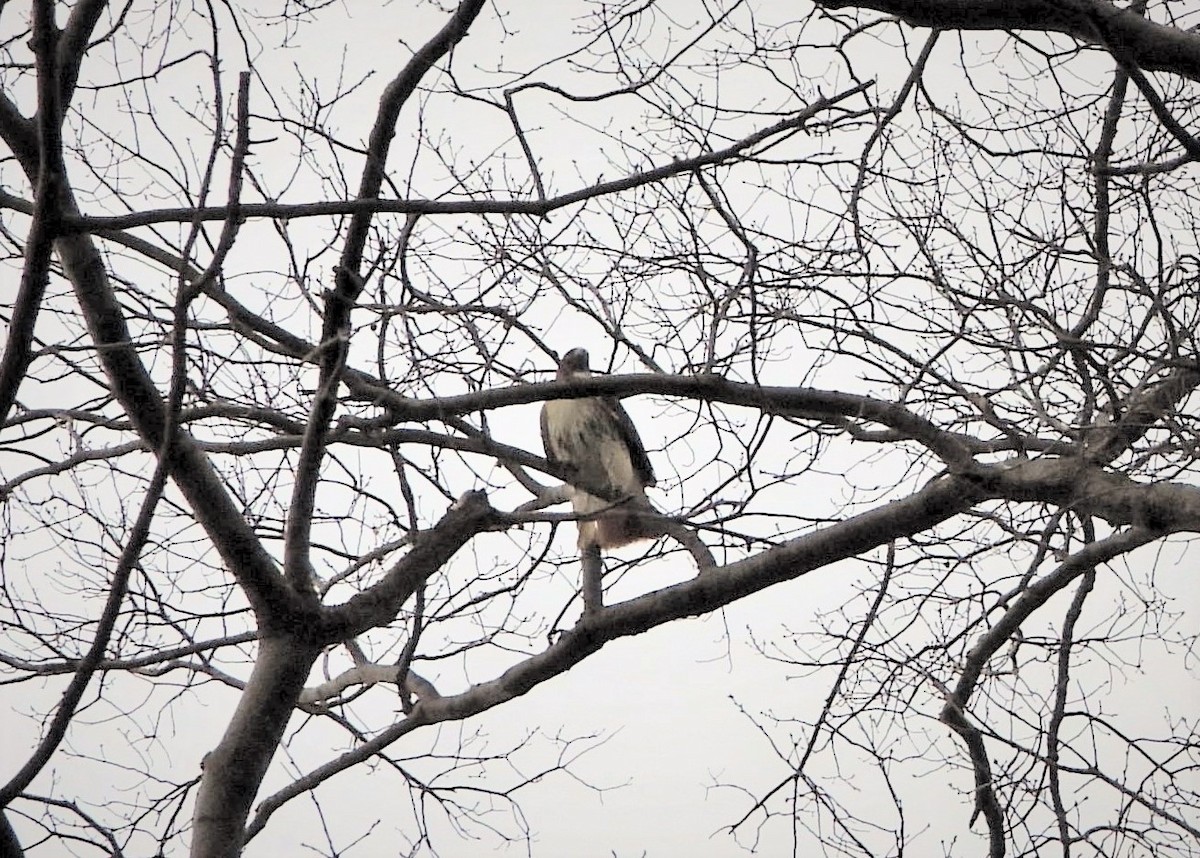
(574, 364)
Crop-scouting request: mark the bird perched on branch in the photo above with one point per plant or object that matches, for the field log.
(594, 439)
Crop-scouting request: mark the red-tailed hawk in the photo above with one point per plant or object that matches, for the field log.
(595, 440)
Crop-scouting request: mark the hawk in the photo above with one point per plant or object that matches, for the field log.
(594, 439)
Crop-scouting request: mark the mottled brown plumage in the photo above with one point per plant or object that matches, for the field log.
(594, 439)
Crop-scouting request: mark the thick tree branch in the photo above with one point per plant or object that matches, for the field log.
(73, 43)
(1074, 483)
(35, 275)
(1138, 413)
(1046, 481)
(234, 770)
(1150, 45)
(431, 549)
(800, 402)
(10, 846)
(233, 538)
(937, 502)
(335, 332)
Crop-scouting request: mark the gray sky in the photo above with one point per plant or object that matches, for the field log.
(675, 730)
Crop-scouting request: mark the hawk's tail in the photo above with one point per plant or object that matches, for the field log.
(617, 524)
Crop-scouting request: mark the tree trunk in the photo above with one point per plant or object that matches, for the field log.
(235, 769)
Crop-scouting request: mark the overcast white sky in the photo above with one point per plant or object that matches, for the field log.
(670, 716)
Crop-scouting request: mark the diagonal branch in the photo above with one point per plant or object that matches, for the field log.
(236, 542)
(1139, 412)
(954, 713)
(135, 540)
(46, 211)
(335, 333)
(73, 44)
(431, 549)
(936, 502)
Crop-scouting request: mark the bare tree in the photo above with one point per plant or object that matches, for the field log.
(908, 286)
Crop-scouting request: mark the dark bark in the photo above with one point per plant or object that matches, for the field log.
(1150, 45)
(235, 768)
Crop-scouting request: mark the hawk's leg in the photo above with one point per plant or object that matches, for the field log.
(591, 573)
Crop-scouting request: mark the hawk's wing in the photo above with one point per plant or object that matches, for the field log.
(629, 434)
(551, 453)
